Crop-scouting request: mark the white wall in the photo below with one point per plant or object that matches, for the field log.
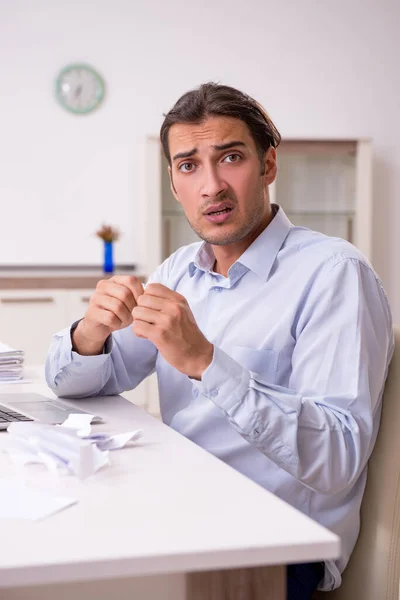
(323, 69)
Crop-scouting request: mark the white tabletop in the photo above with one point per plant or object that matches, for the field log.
(163, 506)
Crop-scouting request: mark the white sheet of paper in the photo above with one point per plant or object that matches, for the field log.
(23, 457)
(79, 422)
(55, 447)
(18, 501)
(115, 442)
(70, 446)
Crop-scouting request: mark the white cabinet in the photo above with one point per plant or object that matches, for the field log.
(30, 318)
(78, 302)
(326, 185)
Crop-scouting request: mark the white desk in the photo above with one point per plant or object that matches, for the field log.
(162, 509)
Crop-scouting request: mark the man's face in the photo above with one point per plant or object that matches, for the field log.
(217, 177)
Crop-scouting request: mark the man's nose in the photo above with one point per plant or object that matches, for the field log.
(213, 184)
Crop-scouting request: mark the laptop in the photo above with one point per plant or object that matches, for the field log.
(35, 407)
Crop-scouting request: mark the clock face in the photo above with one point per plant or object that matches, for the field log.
(79, 88)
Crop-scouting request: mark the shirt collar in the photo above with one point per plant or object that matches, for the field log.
(259, 256)
(204, 259)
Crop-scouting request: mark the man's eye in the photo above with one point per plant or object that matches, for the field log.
(186, 167)
(231, 158)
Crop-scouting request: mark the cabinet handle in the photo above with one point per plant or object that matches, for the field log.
(43, 300)
(85, 298)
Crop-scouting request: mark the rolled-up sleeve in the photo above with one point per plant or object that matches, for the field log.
(321, 428)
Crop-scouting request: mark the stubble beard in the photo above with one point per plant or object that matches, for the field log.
(225, 238)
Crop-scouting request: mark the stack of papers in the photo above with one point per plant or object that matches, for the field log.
(11, 364)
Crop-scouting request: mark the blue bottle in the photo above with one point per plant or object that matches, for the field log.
(108, 257)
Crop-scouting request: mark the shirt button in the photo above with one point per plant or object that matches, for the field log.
(214, 393)
(195, 393)
(218, 289)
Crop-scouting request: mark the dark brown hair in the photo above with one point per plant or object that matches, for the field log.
(213, 99)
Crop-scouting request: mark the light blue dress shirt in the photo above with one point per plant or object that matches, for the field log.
(302, 336)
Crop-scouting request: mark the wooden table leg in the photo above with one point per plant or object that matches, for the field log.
(257, 583)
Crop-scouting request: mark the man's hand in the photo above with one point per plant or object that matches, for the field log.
(164, 317)
(110, 309)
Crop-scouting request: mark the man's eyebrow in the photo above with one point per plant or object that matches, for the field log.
(218, 147)
(187, 154)
(229, 145)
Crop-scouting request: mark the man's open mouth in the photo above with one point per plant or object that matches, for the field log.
(219, 208)
(219, 212)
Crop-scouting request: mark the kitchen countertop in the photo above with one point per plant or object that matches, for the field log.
(23, 278)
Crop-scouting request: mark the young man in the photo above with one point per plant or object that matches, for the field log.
(271, 342)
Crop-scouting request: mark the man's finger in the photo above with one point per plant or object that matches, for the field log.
(141, 313)
(116, 307)
(161, 291)
(142, 329)
(153, 302)
(131, 282)
(121, 292)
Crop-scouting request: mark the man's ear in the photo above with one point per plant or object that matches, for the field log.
(173, 190)
(270, 166)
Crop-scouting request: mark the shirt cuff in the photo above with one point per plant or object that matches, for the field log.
(68, 357)
(225, 382)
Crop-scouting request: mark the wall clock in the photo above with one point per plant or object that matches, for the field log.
(79, 88)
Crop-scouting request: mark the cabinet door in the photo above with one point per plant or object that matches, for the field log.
(29, 319)
(77, 303)
(325, 185)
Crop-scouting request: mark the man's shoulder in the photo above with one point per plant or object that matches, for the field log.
(320, 249)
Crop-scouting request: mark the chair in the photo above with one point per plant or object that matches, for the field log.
(374, 567)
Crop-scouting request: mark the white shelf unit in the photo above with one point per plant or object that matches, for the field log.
(321, 184)
(326, 185)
